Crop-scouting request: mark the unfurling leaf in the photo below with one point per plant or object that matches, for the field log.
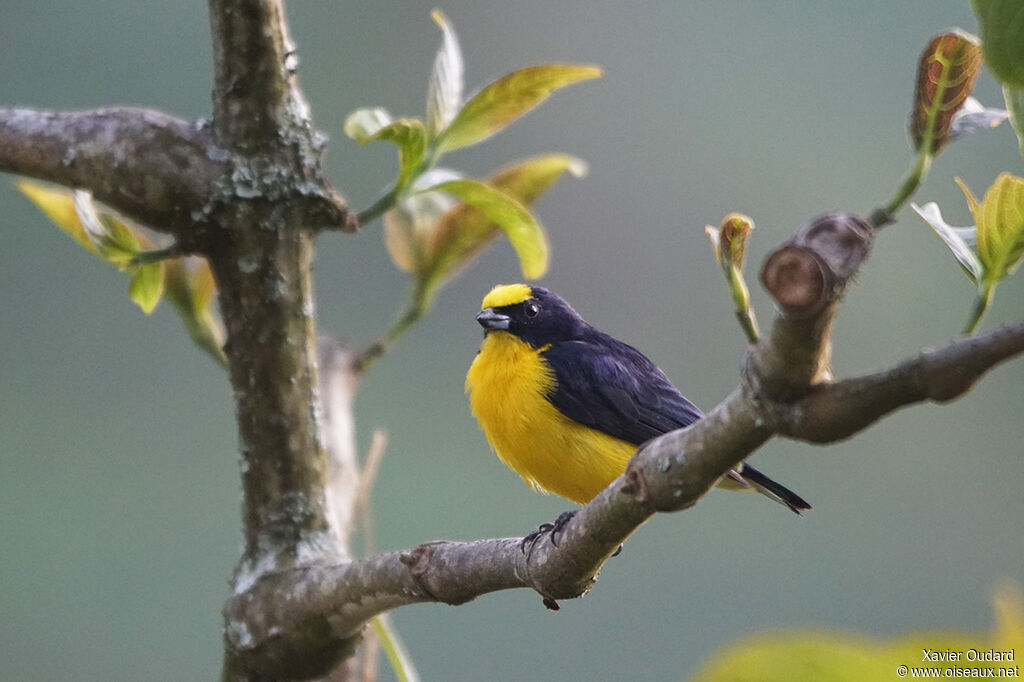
(444, 89)
(974, 116)
(464, 231)
(732, 238)
(946, 73)
(362, 124)
(523, 231)
(507, 99)
(1015, 106)
(147, 286)
(1002, 35)
(999, 219)
(957, 239)
(729, 246)
(59, 207)
(409, 135)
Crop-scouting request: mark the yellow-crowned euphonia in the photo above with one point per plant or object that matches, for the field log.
(566, 405)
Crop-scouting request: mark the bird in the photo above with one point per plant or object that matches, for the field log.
(566, 405)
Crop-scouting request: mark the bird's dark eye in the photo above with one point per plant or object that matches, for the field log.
(531, 309)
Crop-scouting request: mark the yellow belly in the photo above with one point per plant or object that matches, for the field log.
(508, 384)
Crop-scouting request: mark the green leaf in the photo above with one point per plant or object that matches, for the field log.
(464, 231)
(529, 179)
(955, 238)
(409, 135)
(122, 244)
(1000, 222)
(946, 73)
(147, 286)
(1015, 106)
(362, 124)
(1002, 35)
(974, 116)
(59, 207)
(524, 232)
(507, 99)
(444, 89)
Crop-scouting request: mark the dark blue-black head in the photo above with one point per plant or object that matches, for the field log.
(533, 314)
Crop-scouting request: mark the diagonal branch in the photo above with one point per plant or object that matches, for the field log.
(786, 390)
(669, 473)
(152, 167)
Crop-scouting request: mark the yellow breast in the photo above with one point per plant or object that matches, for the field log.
(508, 384)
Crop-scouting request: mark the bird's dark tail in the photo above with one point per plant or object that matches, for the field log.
(776, 491)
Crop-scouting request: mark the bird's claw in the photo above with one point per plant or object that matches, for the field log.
(553, 528)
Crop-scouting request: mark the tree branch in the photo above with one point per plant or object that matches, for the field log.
(786, 390)
(669, 473)
(255, 92)
(837, 411)
(154, 168)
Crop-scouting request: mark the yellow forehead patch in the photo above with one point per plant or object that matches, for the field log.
(506, 294)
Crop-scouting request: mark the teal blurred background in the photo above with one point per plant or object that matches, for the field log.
(119, 493)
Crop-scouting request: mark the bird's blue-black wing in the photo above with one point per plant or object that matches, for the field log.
(612, 387)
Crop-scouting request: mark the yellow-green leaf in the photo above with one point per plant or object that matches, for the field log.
(59, 207)
(409, 135)
(121, 243)
(464, 231)
(822, 656)
(1000, 222)
(147, 286)
(946, 73)
(507, 99)
(523, 231)
(203, 285)
(529, 179)
(444, 89)
(189, 286)
(362, 124)
(1002, 35)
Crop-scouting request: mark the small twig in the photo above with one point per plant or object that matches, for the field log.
(414, 309)
(367, 478)
(981, 305)
(404, 669)
(156, 255)
(379, 208)
(152, 167)
(918, 172)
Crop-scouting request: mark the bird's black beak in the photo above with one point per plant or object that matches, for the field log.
(489, 320)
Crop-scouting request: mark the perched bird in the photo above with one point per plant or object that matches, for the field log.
(566, 405)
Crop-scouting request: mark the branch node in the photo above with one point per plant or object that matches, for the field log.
(636, 485)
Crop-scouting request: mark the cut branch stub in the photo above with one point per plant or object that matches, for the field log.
(797, 279)
(809, 271)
